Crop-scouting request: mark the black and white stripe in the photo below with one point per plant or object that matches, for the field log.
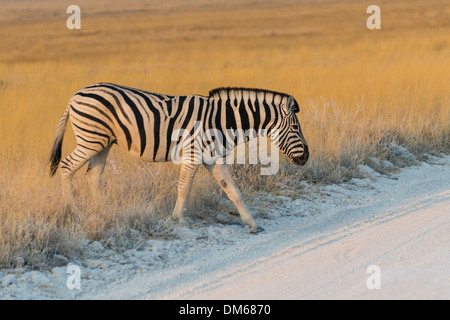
(142, 123)
(261, 111)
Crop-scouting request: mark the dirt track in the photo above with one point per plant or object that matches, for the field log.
(401, 225)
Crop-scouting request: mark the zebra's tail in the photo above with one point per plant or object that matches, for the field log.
(55, 154)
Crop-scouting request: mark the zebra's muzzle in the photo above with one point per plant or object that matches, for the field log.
(301, 160)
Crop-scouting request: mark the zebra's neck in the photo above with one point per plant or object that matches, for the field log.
(247, 109)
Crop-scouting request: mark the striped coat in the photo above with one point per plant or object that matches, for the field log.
(143, 123)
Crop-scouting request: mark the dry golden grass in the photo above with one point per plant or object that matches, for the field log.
(357, 89)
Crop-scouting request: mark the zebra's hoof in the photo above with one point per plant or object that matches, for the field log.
(181, 222)
(256, 229)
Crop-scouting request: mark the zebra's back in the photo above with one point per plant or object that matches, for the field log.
(141, 122)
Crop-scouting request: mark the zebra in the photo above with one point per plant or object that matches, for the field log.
(143, 122)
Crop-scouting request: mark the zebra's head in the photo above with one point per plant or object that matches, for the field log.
(290, 137)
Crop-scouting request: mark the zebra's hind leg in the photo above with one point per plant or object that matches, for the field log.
(69, 166)
(223, 175)
(95, 170)
(187, 175)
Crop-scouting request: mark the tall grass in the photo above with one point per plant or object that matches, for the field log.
(357, 90)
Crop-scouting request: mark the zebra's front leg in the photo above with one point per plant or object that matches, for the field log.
(187, 175)
(223, 175)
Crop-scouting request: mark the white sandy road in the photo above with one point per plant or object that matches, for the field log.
(315, 247)
(410, 245)
(400, 225)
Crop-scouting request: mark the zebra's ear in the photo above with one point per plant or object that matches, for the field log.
(292, 105)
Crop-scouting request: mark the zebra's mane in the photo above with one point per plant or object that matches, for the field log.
(225, 92)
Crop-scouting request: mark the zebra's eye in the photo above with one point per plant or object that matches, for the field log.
(295, 127)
